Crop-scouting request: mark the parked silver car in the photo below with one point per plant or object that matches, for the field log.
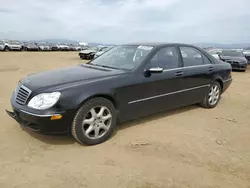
(1, 45)
(43, 46)
(63, 47)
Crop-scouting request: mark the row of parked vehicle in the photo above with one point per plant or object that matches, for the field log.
(238, 58)
(8, 45)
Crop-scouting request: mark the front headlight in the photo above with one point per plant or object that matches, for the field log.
(44, 100)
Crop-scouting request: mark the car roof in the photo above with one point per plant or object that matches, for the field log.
(157, 44)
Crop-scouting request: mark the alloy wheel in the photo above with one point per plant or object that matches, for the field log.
(214, 95)
(97, 122)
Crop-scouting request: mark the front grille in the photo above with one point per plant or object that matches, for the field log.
(233, 62)
(22, 94)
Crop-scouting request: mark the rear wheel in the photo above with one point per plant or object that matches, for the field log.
(213, 96)
(94, 122)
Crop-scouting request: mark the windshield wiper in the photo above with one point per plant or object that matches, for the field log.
(104, 66)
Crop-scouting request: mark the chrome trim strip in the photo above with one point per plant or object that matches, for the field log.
(165, 70)
(228, 80)
(39, 115)
(166, 94)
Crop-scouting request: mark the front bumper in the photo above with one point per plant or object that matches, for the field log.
(41, 121)
(239, 66)
(15, 48)
(33, 49)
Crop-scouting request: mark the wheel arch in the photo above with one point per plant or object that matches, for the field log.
(101, 95)
(219, 80)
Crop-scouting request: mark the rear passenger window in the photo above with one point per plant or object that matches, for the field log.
(191, 56)
(166, 58)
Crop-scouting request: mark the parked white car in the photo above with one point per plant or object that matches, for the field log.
(12, 45)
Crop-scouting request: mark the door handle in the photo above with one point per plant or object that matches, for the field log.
(179, 73)
(210, 69)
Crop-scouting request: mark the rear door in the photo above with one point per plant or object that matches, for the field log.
(197, 74)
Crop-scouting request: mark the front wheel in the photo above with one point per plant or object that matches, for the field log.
(212, 97)
(94, 122)
(6, 49)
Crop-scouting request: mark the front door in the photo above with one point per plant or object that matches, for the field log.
(157, 91)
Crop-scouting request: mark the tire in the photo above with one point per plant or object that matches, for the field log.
(6, 49)
(206, 102)
(80, 129)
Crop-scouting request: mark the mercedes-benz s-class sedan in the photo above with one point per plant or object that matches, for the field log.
(127, 82)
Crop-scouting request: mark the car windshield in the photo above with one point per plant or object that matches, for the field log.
(123, 57)
(232, 53)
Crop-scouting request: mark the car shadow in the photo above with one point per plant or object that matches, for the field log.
(60, 139)
(156, 116)
(67, 139)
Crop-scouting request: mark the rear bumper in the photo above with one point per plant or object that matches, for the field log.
(226, 84)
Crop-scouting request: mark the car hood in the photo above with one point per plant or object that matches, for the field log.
(240, 59)
(60, 77)
(87, 51)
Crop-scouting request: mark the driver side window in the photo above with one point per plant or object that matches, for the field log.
(166, 58)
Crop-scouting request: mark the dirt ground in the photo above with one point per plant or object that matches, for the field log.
(189, 147)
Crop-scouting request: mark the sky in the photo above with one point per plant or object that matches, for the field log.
(124, 21)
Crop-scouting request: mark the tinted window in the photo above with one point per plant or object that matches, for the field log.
(166, 58)
(191, 56)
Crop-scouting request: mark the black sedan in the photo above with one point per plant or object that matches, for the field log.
(236, 58)
(127, 82)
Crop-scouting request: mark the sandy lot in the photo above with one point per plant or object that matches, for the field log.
(188, 147)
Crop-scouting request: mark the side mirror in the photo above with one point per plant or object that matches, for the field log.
(156, 70)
